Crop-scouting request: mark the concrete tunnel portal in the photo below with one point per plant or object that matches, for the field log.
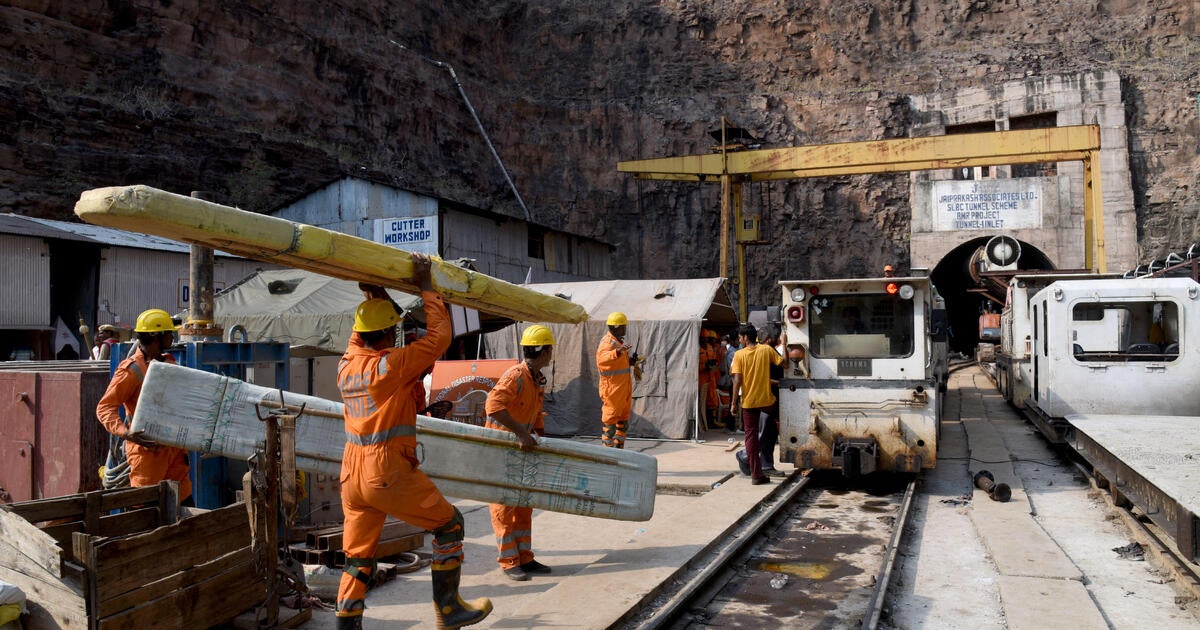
(964, 295)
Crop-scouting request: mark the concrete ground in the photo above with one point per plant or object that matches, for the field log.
(601, 567)
(1045, 559)
(1042, 560)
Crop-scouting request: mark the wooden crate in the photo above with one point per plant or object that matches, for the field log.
(81, 566)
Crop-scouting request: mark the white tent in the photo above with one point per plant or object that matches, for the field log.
(665, 318)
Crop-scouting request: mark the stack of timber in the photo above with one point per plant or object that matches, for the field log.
(219, 415)
(81, 566)
(324, 546)
(271, 239)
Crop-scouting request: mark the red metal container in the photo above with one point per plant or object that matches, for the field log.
(50, 441)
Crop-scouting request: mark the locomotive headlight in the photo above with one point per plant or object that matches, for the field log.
(798, 294)
(907, 291)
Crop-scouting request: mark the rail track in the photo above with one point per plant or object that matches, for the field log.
(817, 554)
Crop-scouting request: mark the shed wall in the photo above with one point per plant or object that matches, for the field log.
(26, 278)
(133, 280)
(351, 206)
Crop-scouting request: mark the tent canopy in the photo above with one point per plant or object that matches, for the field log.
(310, 312)
(650, 300)
(665, 317)
(297, 307)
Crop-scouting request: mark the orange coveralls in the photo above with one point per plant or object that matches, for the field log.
(380, 474)
(713, 400)
(702, 389)
(148, 465)
(616, 390)
(520, 391)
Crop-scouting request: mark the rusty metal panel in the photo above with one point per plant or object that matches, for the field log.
(26, 264)
(18, 435)
(72, 443)
(50, 441)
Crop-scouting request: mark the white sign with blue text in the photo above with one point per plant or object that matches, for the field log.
(412, 234)
(987, 204)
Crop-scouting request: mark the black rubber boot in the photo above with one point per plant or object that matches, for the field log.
(452, 611)
(353, 622)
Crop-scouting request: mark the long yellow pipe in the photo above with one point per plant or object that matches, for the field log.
(271, 239)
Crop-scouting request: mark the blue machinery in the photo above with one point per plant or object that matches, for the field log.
(216, 479)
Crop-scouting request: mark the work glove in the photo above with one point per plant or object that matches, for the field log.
(633, 358)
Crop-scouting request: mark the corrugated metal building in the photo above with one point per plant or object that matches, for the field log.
(502, 246)
(73, 271)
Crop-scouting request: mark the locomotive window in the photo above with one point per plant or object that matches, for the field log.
(1119, 332)
(867, 326)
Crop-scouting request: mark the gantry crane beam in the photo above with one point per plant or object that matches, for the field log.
(1029, 146)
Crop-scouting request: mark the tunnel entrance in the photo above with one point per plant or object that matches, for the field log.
(965, 297)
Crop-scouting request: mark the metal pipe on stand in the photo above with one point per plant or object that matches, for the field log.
(201, 325)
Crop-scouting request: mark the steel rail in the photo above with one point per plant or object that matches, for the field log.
(1186, 578)
(871, 621)
(726, 551)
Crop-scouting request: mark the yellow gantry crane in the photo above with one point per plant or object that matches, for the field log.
(732, 169)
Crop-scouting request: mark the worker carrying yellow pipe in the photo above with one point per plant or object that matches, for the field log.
(149, 463)
(380, 469)
(614, 362)
(515, 404)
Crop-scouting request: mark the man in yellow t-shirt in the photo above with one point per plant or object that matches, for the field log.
(752, 391)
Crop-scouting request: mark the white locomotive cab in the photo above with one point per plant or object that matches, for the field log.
(1117, 346)
(861, 384)
(1014, 376)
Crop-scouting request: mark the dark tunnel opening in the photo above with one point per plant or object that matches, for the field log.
(952, 277)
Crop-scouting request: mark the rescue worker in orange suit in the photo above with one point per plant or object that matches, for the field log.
(380, 474)
(149, 463)
(515, 405)
(615, 364)
(711, 370)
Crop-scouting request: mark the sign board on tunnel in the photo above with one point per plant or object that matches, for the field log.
(987, 204)
(412, 234)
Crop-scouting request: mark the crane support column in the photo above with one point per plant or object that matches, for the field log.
(1094, 257)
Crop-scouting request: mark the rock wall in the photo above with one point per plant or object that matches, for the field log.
(263, 102)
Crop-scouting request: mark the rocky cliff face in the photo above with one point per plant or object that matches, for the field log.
(263, 102)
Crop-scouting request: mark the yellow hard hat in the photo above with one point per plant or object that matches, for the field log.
(153, 321)
(710, 334)
(617, 318)
(537, 335)
(375, 314)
